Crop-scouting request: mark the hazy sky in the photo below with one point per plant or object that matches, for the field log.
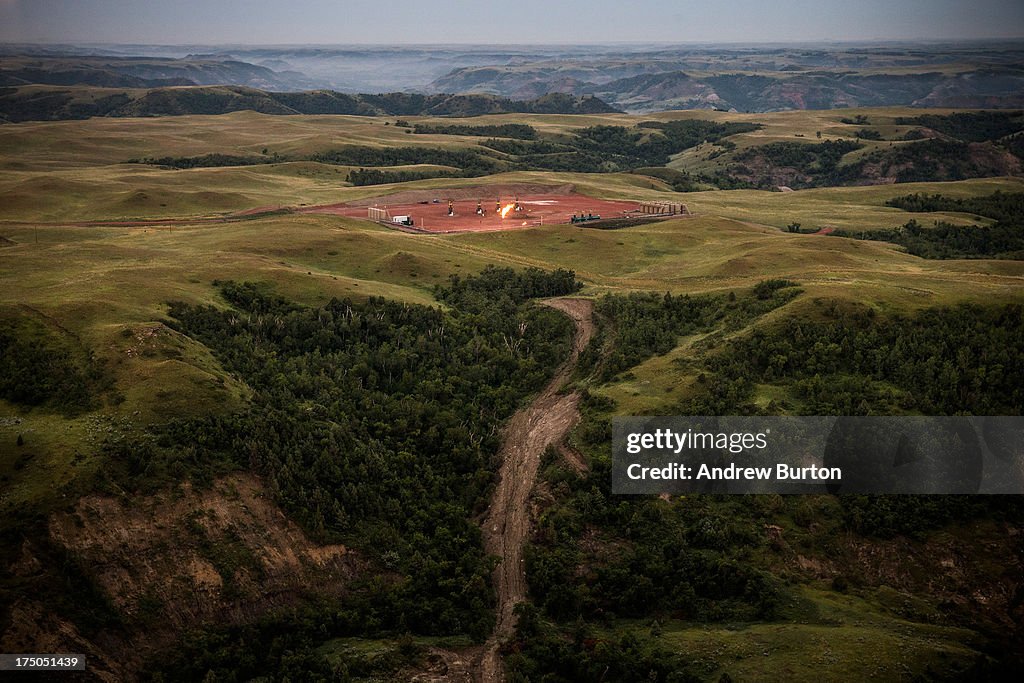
(517, 21)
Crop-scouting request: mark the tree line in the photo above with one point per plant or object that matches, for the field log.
(594, 149)
(376, 176)
(1003, 239)
(516, 131)
(948, 241)
(979, 126)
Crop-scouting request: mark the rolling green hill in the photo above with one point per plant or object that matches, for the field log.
(274, 431)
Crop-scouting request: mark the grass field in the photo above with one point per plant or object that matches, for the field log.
(849, 637)
(97, 280)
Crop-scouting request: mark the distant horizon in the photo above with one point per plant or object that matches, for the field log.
(268, 23)
(638, 43)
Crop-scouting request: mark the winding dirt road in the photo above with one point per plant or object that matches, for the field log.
(546, 421)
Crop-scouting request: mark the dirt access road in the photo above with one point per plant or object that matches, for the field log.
(546, 421)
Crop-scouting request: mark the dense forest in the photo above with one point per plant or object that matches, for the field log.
(597, 559)
(517, 131)
(208, 160)
(946, 361)
(376, 176)
(373, 424)
(305, 367)
(1001, 206)
(40, 366)
(1002, 239)
(504, 287)
(945, 240)
(647, 325)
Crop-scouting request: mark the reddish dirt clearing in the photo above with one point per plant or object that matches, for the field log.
(537, 209)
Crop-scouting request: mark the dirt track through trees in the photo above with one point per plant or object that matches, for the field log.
(546, 421)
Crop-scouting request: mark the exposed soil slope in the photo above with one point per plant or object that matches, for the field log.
(174, 560)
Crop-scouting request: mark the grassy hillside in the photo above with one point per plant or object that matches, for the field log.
(99, 281)
(95, 299)
(76, 171)
(57, 173)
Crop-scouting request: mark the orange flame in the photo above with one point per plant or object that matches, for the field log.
(505, 209)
